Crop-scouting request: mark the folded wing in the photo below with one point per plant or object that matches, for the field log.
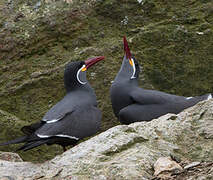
(75, 125)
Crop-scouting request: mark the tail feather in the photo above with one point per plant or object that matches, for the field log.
(205, 96)
(31, 145)
(15, 141)
(197, 99)
(210, 96)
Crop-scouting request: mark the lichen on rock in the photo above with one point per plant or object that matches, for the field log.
(172, 40)
(129, 151)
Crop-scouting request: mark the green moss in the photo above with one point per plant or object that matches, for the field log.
(172, 40)
(118, 149)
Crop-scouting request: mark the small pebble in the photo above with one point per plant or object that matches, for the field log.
(193, 164)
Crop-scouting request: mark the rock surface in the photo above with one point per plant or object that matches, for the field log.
(191, 165)
(172, 41)
(166, 165)
(9, 156)
(128, 152)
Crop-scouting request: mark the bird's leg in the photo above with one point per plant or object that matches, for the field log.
(64, 148)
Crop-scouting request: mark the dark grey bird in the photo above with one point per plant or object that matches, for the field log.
(131, 103)
(75, 117)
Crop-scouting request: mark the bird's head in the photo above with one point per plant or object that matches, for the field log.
(75, 72)
(130, 67)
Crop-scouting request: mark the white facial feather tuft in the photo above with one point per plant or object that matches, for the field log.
(79, 73)
(134, 69)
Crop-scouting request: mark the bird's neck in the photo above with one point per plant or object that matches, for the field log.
(122, 81)
(124, 75)
(124, 78)
(80, 87)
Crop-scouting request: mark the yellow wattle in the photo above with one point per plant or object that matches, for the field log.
(84, 69)
(130, 62)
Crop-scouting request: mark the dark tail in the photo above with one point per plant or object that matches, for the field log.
(31, 145)
(202, 97)
(15, 141)
(206, 96)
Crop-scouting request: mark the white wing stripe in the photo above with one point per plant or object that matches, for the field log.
(189, 97)
(42, 136)
(71, 137)
(51, 121)
(58, 135)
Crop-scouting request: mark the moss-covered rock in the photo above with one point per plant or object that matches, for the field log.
(130, 151)
(9, 156)
(10, 129)
(172, 40)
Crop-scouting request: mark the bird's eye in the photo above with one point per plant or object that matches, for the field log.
(131, 62)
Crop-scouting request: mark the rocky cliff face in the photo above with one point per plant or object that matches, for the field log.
(172, 40)
(129, 152)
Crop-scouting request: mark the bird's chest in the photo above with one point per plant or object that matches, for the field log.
(120, 98)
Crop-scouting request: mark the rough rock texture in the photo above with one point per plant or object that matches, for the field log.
(8, 156)
(172, 40)
(191, 165)
(129, 152)
(203, 171)
(165, 165)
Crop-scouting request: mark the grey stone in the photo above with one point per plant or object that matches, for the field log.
(128, 152)
(191, 165)
(9, 156)
(166, 164)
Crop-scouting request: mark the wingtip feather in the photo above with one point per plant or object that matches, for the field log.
(15, 141)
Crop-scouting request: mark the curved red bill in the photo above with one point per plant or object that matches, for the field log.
(92, 61)
(126, 48)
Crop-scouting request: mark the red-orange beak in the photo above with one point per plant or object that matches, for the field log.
(92, 61)
(126, 49)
